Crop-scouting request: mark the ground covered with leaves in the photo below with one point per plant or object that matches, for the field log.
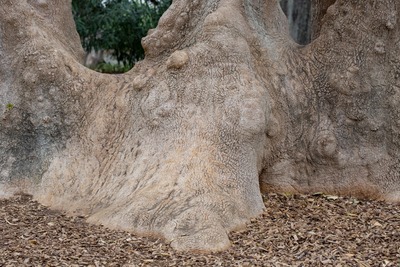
(296, 230)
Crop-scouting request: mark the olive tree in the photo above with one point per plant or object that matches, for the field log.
(224, 105)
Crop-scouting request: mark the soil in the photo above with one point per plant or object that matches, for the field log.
(294, 230)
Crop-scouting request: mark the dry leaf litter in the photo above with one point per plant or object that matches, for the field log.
(294, 230)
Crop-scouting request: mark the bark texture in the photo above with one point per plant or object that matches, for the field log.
(318, 12)
(223, 104)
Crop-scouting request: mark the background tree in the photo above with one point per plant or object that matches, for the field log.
(223, 103)
(117, 25)
(298, 13)
(89, 17)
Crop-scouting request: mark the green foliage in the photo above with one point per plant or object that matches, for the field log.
(112, 68)
(9, 106)
(89, 17)
(117, 25)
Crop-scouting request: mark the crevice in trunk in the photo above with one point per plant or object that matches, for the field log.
(318, 11)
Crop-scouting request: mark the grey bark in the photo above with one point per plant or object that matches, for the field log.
(225, 103)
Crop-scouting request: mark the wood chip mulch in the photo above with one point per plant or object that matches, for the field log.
(296, 230)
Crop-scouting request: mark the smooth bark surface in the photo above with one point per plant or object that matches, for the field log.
(225, 103)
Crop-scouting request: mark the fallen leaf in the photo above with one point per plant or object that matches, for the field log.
(329, 197)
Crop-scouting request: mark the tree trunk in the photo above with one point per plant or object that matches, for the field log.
(223, 104)
(318, 12)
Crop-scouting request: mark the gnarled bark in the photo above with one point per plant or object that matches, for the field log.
(224, 103)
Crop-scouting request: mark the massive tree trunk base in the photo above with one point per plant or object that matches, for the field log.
(224, 104)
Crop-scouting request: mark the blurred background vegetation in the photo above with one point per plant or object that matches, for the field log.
(111, 30)
(115, 28)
